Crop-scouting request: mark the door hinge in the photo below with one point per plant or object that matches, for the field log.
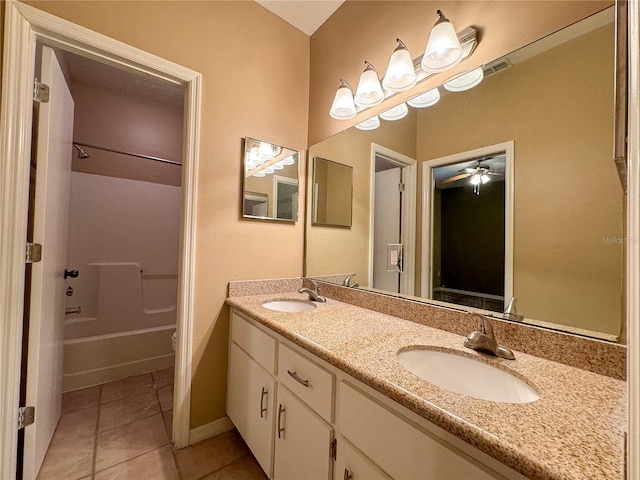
(26, 416)
(401, 187)
(34, 252)
(40, 92)
(333, 448)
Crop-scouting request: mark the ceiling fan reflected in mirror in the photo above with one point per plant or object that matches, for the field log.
(478, 174)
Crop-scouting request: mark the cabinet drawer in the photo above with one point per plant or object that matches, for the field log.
(351, 464)
(310, 382)
(259, 345)
(397, 446)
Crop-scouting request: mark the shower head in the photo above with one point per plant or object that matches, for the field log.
(81, 152)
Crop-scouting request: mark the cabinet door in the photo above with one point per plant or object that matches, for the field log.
(250, 397)
(303, 441)
(352, 465)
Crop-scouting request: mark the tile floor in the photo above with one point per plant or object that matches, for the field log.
(121, 431)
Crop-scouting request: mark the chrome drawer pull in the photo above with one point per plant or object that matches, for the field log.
(297, 378)
(263, 409)
(347, 474)
(280, 412)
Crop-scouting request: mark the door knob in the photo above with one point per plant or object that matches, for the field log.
(71, 273)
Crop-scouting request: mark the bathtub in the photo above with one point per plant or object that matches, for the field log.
(102, 358)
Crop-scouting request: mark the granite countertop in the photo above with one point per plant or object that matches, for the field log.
(574, 431)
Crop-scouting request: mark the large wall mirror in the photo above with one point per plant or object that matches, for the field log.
(553, 102)
(270, 181)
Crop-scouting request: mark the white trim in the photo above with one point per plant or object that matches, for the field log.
(409, 165)
(633, 245)
(24, 25)
(210, 429)
(427, 220)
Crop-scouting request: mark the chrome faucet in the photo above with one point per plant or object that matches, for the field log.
(484, 340)
(314, 292)
(510, 313)
(347, 282)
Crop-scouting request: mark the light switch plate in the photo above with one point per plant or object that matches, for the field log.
(394, 257)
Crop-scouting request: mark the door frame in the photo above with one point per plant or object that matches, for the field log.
(427, 217)
(408, 229)
(24, 26)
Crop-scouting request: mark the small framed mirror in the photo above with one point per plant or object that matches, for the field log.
(332, 193)
(270, 181)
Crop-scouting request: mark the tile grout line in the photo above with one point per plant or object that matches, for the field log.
(95, 436)
(164, 421)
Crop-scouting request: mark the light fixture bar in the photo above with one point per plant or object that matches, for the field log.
(468, 40)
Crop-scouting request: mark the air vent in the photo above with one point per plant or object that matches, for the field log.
(497, 66)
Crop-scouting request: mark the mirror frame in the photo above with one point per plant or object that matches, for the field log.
(245, 192)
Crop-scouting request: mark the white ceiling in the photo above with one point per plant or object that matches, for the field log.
(305, 15)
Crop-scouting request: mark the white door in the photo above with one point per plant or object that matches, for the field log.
(50, 228)
(386, 226)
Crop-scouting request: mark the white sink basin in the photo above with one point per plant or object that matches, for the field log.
(466, 376)
(291, 306)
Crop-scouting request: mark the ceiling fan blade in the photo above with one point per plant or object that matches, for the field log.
(454, 178)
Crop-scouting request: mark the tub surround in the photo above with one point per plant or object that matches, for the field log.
(575, 430)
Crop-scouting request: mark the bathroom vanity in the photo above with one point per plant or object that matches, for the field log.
(320, 393)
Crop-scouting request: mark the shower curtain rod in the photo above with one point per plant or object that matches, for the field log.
(131, 154)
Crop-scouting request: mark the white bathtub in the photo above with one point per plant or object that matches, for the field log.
(103, 358)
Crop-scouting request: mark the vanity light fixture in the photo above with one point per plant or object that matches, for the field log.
(369, 124)
(426, 99)
(259, 174)
(278, 165)
(269, 170)
(266, 151)
(466, 81)
(343, 107)
(443, 49)
(395, 113)
(288, 160)
(369, 91)
(401, 74)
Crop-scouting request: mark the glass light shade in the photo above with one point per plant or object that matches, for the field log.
(485, 178)
(288, 160)
(369, 124)
(253, 154)
(259, 174)
(265, 151)
(465, 81)
(401, 74)
(268, 170)
(369, 91)
(443, 49)
(426, 99)
(395, 113)
(278, 166)
(343, 107)
(475, 179)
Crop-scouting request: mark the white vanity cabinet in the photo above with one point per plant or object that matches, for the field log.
(290, 438)
(292, 432)
(251, 388)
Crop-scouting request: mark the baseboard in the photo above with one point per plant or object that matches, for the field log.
(209, 430)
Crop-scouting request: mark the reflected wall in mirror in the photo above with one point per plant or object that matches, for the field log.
(270, 181)
(332, 187)
(554, 101)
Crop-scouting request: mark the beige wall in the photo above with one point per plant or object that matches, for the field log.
(228, 42)
(362, 30)
(558, 110)
(128, 123)
(331, 250)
